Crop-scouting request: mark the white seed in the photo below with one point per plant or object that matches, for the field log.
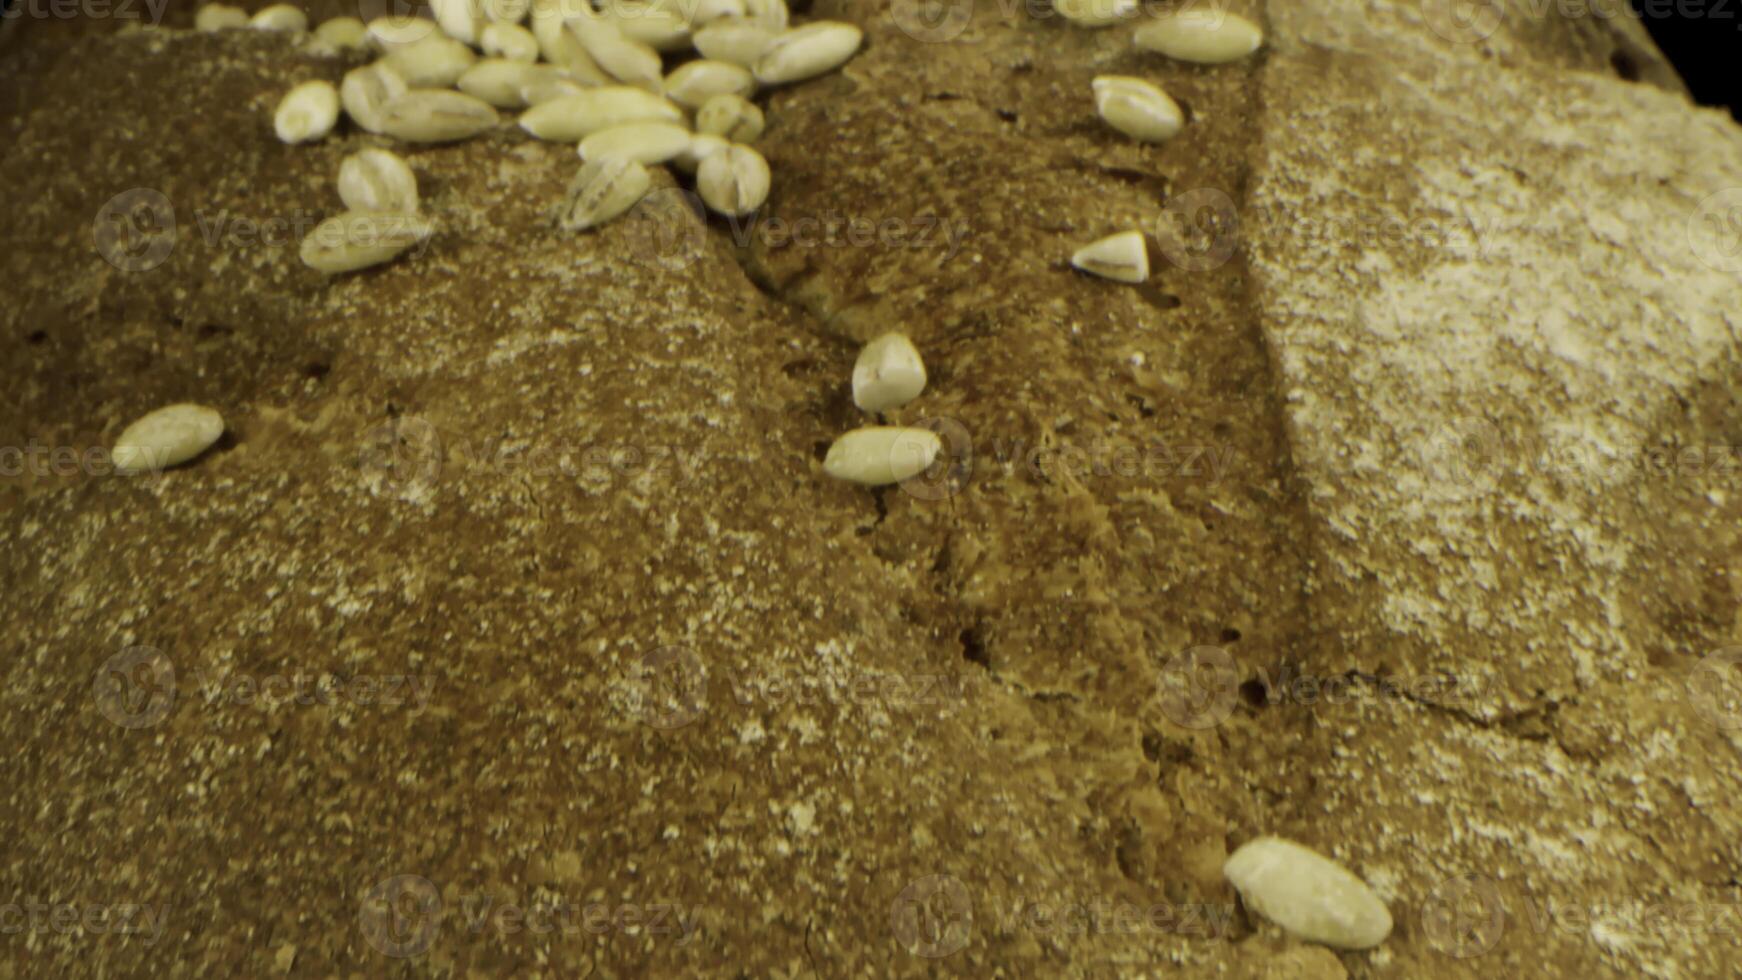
(575, 117)
(1095, 13)
(644, 142)
(307, 112)
(388, 34)
(602, 190)
(498, 81)
(220, 17)
(541, 88)
(433, 115)
(734, 117)
(356, 240)
(656, 25)
(733, 181)
(343, 32)
(1309, 895)
(806, 52)
(559, 45)
(459, 19)
(630, 62)
(506, 11)
(1137, 108)
(280, 17)
(877, 455)
(171, 435)
(888, 374)
(377, 180)
(1122, 257)
(734, 40)
(1207, 36)
(695, 82)
(367, 92)
(510, 42)
(701, 146)
(434, 62)
(774, 15)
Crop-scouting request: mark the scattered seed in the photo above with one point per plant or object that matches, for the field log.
(1137, 108)
(389, 33)
(806, 52)
(459, 19)
(507, 11)
(357, 240)
(377, 180)
(367, 91)
(695, 82)
(220, 17)
(701, 146)
(280, 17)
(732, 116)
(645, 142)
(656, 25)
(1122, 257)
(434, 62)
(734, 40)
(629, 62)
(511, 42)
(888, 374)
(497, 81)
(431, 115)
(307, 112)
(1206, 37)
(602, 190)
(1309, 895)
(1095, 13)
(343, 32)
(575, 117)
(733, 181)
(171, 435)
(878, 455)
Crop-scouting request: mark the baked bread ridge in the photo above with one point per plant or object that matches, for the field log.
(1042, 601)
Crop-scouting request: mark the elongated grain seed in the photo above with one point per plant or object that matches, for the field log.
(377, 180)
(510, 42)
(1206, 37)
(347, 33)
(733, 181)
(1095, 13)
(656, 25)
(1122, 257)
(1137, 108)
(220, 17)
(602, 190)
(434, 62)
(878, 455)
(280, 17)
(1309, 895)
(431, 115)
(575, 117)
(629, 62)
(701, 146)
(357, 240)
(366, 92)
(497, 81)
(806, 52)
(888, 374)
(731, 116)
(169, 436)
(307, 112)
(387, 34)
(542, 88)
(559, 45)
(644, 142)
(695, 82)
(459, 19)
(735, 40)
(507, 11)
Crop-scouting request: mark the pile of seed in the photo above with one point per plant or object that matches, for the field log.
(633, 83)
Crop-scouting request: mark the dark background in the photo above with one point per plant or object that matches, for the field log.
(1703, 39)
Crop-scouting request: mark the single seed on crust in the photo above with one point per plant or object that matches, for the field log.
(888, 374)
(575, 117)
(733, 181)
(1122, 258)
(307, 112)
(602, 190)
(498, 81)
(1205, 37)
(357, 240)
(695, 82)
(643, 142)
(166, 437)
(459, 19)
(220, 17)
(878, 455)
(1309, 895)
(1095, 13)
(731, 116)
(433, 115)
(280, 17)
(701, 146)
(343, 32)
(367, 91)
(736, 40)
(377, 180)
(434, 62)
(806, 52)
(510, 42)
(1137, 108)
